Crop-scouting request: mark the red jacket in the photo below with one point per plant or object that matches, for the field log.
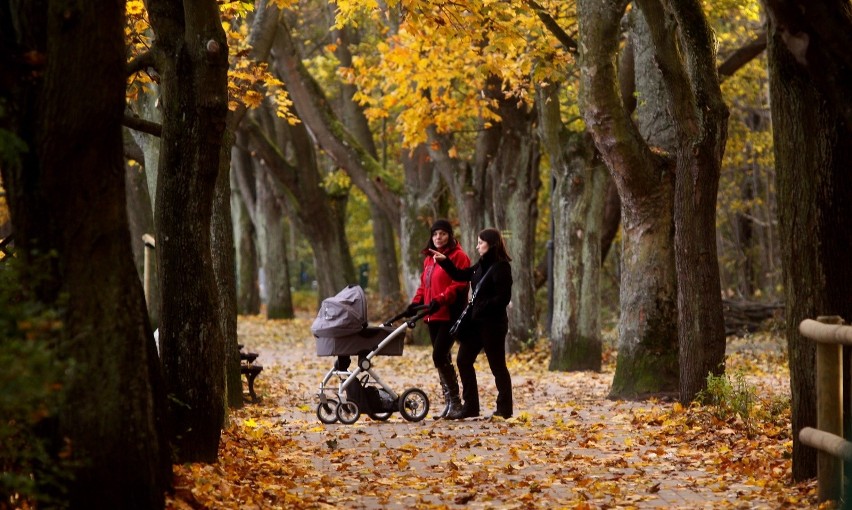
(436, 284)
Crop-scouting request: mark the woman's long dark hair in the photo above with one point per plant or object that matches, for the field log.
(495, 243)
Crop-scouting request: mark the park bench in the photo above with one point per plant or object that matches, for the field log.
(250, 369)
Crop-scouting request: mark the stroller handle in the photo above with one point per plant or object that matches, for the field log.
(422, 312)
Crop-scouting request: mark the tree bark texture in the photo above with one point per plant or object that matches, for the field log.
(422, 183)
(273, 241)
(577, 202)
(192, 57)
(248, 290)
(688, 68)
(224, 270)
(812, 156)
(467, 181)
(514, 173)
(67, 195)
(647, 344)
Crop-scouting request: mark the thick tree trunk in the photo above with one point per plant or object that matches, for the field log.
(813, 156)
(514, 173)
(67, 196)
(577, 203)
(647, 344)
(700, 117)
(647, 347)
(192, 56)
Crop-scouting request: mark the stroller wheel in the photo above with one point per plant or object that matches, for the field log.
(413, 404)
(327, 413)
(348, 413)
(380, 416)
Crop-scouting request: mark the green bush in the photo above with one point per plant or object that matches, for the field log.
(32, 469)
(729, 398)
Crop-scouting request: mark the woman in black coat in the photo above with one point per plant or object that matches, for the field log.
(489, 323)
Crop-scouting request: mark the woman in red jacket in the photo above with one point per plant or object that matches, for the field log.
(445, 298)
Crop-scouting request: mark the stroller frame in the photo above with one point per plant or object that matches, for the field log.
(413, 404)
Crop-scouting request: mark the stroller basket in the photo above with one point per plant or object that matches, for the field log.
(364, 341)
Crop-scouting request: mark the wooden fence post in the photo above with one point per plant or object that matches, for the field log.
(829, 365)
(150, 244)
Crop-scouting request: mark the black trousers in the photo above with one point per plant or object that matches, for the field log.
(490, 337)
(442, 343)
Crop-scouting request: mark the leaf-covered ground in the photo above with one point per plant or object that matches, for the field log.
(567, 446)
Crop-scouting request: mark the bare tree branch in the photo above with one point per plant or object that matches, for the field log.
(742, 56)
(145, 126)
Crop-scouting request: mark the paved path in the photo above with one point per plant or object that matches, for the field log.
(567, 446)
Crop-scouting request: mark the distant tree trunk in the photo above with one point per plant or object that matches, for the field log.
(67, 196)
(192, 57)
(314, 110)
(467, 180)
(577, 203)
(514, 173)
(611, 218)
(224, 269)
(387, 267)
(243, 204)
(647, 344)
(270, 216)
(813, 157)
(318, 215)
(421, 187)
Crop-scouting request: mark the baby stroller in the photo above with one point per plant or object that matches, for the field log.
(341, 330)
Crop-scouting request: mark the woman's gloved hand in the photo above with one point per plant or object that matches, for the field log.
(433, 307)
(412, 309)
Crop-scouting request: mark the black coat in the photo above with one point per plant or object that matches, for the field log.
(495, 290)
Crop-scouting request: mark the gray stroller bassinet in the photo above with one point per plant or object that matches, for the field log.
(341, 329)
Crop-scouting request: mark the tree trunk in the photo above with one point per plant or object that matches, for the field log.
(329, 132)
(67, 195)
(317, 214)
(688, 68)
(224, 264)
(192, 57)
(813, 156)
(243, 204)
(577, 203)
(422, 184)
(514, 173)
(647, 344)
(273, 243)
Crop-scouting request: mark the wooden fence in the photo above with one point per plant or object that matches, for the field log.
(831, 335)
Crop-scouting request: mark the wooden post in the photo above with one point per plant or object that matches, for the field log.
(150, 245)
(829, 412)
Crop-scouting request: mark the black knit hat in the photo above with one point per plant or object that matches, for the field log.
(442, 225)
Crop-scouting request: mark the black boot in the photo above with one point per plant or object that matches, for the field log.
(445, 391)
(454, 405)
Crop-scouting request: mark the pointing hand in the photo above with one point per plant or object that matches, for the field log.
(437, 256)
